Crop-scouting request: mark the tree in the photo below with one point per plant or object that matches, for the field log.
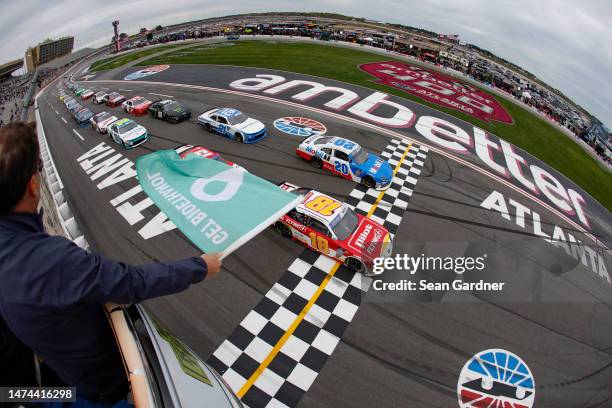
(159, 28)
(143, 30)
(122, 35)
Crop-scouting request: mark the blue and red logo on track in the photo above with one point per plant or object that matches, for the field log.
(496, 378)
(299, 126)
(141, 73)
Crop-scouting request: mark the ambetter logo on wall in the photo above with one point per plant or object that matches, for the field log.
(438, 88)
(496, 378)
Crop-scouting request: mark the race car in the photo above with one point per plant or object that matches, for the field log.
(346, 159)
(75, 108)
(99, 97)
(137, 105)
(79, 91)
(70, 102)
(82, 117)
(88, 93)
(169, 110)
(114, 99)
(128, 133)
(332, 228)
(232, 124)
(191, 150)
(102, 121)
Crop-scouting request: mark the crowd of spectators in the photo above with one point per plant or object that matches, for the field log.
(12, 92)
(14, 89)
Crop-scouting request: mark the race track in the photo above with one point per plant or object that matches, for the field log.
(400, 349)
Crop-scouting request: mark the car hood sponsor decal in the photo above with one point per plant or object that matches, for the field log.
(250, 126)
(374, 166)
(439, 89)
(133, 134)
(146, 72)
(368, 238)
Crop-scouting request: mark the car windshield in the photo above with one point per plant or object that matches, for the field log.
(137, 101)
(236, 119)
(323, 140)
(344, 224)
(103, 116)
(171, 106)
(359, 155)
(127, 127)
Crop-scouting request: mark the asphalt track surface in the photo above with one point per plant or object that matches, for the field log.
(406, 350)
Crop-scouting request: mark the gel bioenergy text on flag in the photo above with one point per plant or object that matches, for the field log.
(218, 207)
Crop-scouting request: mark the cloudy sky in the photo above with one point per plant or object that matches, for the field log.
(566, 43)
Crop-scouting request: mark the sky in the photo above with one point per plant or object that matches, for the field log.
(566, 43)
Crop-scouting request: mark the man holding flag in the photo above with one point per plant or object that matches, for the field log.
(52, 291)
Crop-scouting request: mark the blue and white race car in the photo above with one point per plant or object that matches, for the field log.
(347, 159)
(233, 124)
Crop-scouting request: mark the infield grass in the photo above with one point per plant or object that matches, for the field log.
(529, 132)
(114, 62)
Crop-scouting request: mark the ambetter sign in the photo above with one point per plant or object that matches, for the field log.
(438, 88)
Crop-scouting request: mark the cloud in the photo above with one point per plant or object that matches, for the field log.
(565, 43)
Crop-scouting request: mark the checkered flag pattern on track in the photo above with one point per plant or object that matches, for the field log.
(272, 358)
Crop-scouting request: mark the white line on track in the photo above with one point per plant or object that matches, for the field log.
(64, 120)
(77, 133)
(125, 90)
(167, 96)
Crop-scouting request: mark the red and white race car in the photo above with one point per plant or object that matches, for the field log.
(102, 121)
(87, 94)
(137, 105)
(187, 150)
(332, 228)
(114, 99)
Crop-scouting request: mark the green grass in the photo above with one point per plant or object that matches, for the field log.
(114, 62)
(528, 131)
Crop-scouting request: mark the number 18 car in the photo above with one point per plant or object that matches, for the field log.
(233, 124)
(346, 159)
(332, 228)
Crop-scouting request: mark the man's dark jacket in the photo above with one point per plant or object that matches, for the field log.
(51, 297)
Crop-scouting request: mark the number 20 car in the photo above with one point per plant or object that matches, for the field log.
(332, 228)
(346, 159)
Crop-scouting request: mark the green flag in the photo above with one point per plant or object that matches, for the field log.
(218, 207)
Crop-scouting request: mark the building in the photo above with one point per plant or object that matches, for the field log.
(46, 51)
(7, 69)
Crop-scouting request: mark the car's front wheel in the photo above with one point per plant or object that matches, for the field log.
(239, 138)
(355, 265)
(208, 127)
(283, 229)
(368, 182)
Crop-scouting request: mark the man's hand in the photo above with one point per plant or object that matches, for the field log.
(213, 262)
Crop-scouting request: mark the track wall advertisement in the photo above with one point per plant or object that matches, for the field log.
(438, 88)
